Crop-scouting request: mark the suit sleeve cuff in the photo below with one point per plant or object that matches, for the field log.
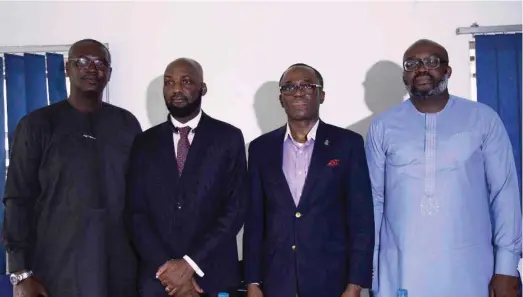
(16, 262)
(375, 272)
(506, 262)
(195, 267)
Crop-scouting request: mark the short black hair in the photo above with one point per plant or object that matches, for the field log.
(316, 72)
(89, 40)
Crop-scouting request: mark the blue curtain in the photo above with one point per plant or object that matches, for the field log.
(15, 91)
(35, 82)
(498, 76)
(56, 77)
(26, 90)
(2, 160)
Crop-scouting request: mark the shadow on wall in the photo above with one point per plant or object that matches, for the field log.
(156, 110)
(270, 115)
(383, 88)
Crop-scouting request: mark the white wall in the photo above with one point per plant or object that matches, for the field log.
(244, 48)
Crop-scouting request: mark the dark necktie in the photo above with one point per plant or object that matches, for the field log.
(183, 147)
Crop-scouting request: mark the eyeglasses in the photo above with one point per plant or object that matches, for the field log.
(83, 62)
(430, 63)
(292, 89)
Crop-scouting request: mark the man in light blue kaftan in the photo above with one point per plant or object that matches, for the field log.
(446, 196)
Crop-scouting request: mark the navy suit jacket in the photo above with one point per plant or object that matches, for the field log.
(198, 213)
(327, 241)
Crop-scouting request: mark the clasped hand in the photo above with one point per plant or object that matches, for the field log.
(177, 278)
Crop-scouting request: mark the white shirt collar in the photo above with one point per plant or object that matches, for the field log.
(310, 135)
(192, 123)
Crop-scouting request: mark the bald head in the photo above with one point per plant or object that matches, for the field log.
(188, 64)
(426, 45)
(183, 88)
(89, 45)
(426, 69)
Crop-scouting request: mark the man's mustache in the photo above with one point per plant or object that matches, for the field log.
(424, 75)
(178, 97)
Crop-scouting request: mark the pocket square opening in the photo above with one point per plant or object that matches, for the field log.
(333, 162)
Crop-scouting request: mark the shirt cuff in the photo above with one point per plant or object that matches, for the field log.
(506, 263)
(195, 267)
(16, 262)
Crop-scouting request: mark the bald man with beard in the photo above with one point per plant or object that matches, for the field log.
(187, 194)
(446, 195)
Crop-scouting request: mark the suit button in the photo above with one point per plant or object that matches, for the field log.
(293, 247)
(298, 214)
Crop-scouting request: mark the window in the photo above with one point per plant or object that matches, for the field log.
(40, 50)
(473, 86)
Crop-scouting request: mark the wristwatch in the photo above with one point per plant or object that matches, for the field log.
(16, 278)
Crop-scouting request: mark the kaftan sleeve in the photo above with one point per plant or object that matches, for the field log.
(505, 207)
(21, 192)
(376, 162)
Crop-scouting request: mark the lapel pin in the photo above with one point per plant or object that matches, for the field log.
(327, 142)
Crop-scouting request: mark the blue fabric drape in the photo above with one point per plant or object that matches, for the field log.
(2, 161)
(498, 76)
(56, 77)
(35, 82)
(15, 91)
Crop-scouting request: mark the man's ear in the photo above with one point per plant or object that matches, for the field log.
(67, 66)
(281, 101)
(204, 89)
(449, 71)
(109, 73)
(322, 97)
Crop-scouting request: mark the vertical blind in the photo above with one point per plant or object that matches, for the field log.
(32, 81)
(498, 76)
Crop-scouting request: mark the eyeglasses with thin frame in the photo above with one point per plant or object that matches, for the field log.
(430, 63)
(84, 62)
(291, 89)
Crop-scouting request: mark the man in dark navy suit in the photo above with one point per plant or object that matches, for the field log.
(187, 190)
(309, 230)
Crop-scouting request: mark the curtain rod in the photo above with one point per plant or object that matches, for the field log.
(36, 48)
(476, 29)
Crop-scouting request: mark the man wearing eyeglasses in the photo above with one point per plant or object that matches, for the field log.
(447, 203)
(64, 230)
(309, 229)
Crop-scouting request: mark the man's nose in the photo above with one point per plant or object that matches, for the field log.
(91, 67)
(176, 87)
(299, 92)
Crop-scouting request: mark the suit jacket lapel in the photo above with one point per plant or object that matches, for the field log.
(199, 145)
(319, 159)
(275, 164)
(168, 156)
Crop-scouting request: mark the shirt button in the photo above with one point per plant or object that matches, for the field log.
(298, 214)
(293, 247)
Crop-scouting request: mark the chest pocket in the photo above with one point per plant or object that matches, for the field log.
(460, 148)
(405, 154)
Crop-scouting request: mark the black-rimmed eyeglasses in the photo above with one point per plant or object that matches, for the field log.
(291, 89)
(430, 63)
(84, 62)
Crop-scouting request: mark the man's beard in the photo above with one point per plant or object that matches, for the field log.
(181, 112)
(440, 88)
